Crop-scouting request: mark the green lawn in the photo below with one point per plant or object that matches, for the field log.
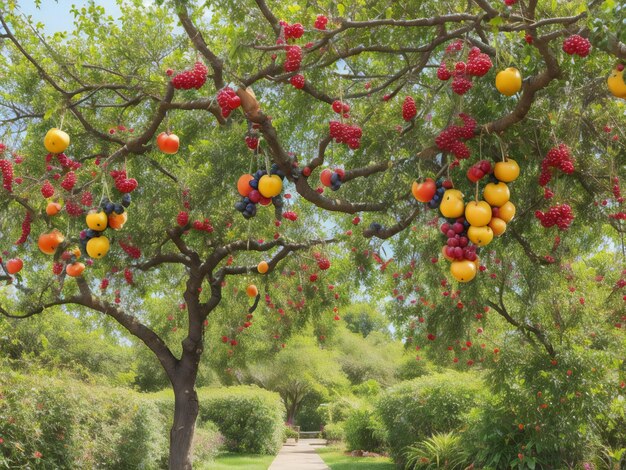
(240, 461)
(337, 460)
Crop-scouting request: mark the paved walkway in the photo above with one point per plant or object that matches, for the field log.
(300, 456)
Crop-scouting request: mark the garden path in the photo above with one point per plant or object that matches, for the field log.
(300, 456)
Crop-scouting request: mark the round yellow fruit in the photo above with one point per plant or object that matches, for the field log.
(616, 84)
(98, 247)
(263, 267)
(496, 194)
(56, 141)
(509, 81)
(478, 213)
(270, 186)
(507, 212)
(498, 226)
(452, 205)
(480, 236)
(507, 170)
(463, 271)
(97, 221)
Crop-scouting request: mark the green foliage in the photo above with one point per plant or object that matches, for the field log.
(251, 419)
(364, 431)
(364, 319)
(416, 409)
(441, 450)
(291, 433)
(334, 432)
(337, 459)
(64, 424)
(207, 442)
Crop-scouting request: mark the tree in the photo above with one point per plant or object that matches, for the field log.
(298, 371)
(106, 85)
(364, 319)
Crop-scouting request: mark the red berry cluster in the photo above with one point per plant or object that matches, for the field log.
(6, 167)
(28, 218)
(86, 199)
(73, 209)
(122, 183)
(409, 110)
(618, 216)
(346, 134)
(558, 157)
(193, 78)
(227, 100)
(47, 190)
(297, 81)
(67, 162)
(617, 193)
(292, 31)
(478, 64)
(576, 44)
(320, 22)
(560, 215)
(458, 245)
(341, 108)
(510, 3)
(294, 59)
(104, 283)
(69, 181)
(128, 275)
(204, 225)
(323, 263)
(477, 171)
(183, 218)
(57, 268)
(130, 250)
(450, 139)
(290, 215)
(252, 141)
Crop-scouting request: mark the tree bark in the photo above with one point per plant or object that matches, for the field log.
(181, 435)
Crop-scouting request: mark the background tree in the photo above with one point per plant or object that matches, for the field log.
(106, 84)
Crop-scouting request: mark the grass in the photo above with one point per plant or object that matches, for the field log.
(337, 460)
(230, 461)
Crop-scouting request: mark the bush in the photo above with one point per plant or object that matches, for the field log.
(444, 450)
(334, 432)
(207, 442)
(250, 418)
(65, 424)
(363, 431)
(416, 409)
(291, 433)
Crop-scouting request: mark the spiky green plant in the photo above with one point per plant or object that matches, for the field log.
(442, 450)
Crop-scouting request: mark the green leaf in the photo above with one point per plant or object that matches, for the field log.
(341, 9)
(294, 8)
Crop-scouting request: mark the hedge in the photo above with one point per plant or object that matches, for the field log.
(65, 424)
(251, 419)
(414, 410)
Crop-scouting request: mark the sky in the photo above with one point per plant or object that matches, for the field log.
(55, 14)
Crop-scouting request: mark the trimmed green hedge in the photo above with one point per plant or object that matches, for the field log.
(414, 410)
(251, 419)
(64, 424)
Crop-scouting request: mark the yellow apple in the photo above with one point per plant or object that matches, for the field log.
(463, 271)
(270, 186)
(98, 247)
(478, 213)
(616, 84)
(97, 220)
(498, 226)
(496, 194)
(480, 236)
(452, 205)
(56, 141)
(507, 212)
(509, 81)
(507, 170)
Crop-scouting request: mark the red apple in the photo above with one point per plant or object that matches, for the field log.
(14, 265)
(168, 143)
(425, 191)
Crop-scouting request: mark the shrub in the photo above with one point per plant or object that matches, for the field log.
(207, 442)
(444, 450)
(250, 418)
(291, 433)
(65, 424)
(363, 431)
(416, 409)
(334, 432)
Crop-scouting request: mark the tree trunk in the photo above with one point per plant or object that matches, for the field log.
(181, 434)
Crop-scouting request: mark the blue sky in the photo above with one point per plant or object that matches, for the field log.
(55, 14)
